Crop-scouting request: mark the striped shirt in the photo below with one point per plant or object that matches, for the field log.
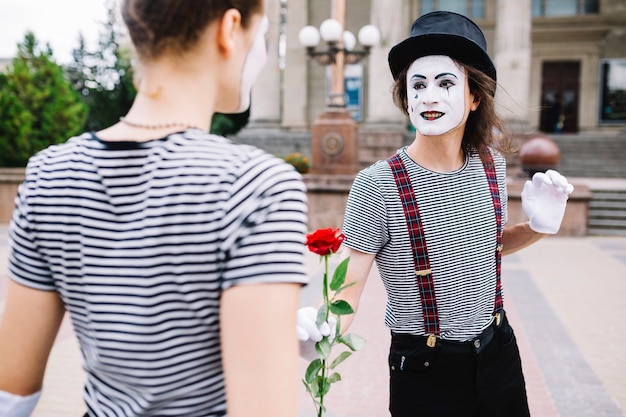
(460, 229)
(140, 240)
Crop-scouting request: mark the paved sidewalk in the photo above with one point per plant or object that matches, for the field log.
(565, 300)
(564, 297)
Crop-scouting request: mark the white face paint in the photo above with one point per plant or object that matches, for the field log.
(254, 63)
(435, 95)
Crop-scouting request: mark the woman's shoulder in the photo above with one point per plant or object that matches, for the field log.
(244, 163)
(58, 152)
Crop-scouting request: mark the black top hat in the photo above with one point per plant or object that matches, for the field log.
(443, 33)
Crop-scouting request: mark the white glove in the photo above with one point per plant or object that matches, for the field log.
(309, 333)
(307, 328)
(544, 200)
(12, 405)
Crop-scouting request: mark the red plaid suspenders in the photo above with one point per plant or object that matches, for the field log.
(492, 179)
(418, 245)
(418, 241)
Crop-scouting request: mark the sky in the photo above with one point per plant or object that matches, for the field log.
(57, 22)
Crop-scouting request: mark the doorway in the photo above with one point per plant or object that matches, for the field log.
(560, 90)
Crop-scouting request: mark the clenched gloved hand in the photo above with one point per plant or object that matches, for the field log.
(544, 199)
(310, 333)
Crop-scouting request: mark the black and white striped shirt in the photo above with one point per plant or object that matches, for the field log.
(460, 228)
(139, 240)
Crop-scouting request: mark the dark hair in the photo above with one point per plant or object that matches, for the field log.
(156, 26)
(484, 128)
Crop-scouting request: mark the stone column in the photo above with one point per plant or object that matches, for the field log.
(266, 100)
(295, 82)
(392, 19)
(385, 125)
(513, 60)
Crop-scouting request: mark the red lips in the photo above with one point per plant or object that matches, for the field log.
(431, 115)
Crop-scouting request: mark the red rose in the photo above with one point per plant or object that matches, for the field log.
(325, 241)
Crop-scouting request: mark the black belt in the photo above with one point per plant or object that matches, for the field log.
(476, 344)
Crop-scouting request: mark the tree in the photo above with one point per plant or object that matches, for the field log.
(38, 106)
(104, 77)
(229, 124)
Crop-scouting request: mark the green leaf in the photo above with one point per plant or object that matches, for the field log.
(342, 357)
(341, 307)
(322, 315)
(334, 378)
(324, 386)
(345, 286)
(353, 341)
(339, 276)
(315, 387)
(337, 328)
(312, 370)
(307, 386)
(323, 348)
(320, 387)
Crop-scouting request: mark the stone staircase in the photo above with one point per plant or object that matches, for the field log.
(592, 155)
(598, 159)
(601, 160)
(607, 209)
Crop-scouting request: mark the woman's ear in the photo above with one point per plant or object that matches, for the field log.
(228, 26)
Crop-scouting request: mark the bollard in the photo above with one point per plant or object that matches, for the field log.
(539, 154)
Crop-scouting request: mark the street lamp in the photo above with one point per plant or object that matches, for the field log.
(337, 41)
(334, 133)
(339, 51)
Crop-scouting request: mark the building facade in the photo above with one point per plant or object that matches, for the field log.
(561, 63)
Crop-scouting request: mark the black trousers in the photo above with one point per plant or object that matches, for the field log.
(479, 378)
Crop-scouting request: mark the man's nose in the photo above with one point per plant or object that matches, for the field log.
(429, 95)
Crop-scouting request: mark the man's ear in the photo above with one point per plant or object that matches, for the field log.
(475, 103)
(228, 26)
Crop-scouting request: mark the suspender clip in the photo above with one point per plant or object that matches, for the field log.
(498, 317)
(431, 341)
(499, 248)
(424, 272)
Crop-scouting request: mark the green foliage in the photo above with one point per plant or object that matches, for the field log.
(38, 106)
(229, 124)
(341, 307)
(339, 276)
(318, 377)
(104, 77)
(340, 358)
(312, 370)
(299, 162)
(323, 348)
(42, 103)
(353, 341)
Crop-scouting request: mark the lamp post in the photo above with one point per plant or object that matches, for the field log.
(334, 133)
(331, 32)
(339, 50)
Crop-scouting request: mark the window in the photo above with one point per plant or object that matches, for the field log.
(469, 8)
(613, 91)
(564, 7)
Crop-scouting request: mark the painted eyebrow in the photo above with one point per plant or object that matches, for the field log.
(443, 74)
